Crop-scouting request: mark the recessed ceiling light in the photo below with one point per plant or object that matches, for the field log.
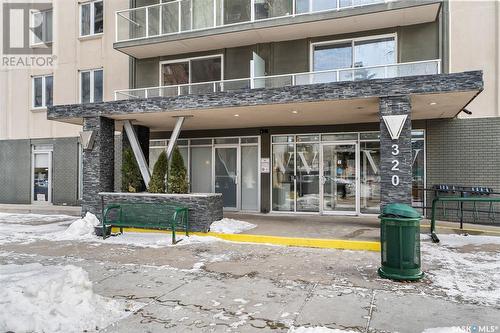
(432, 103)
(236, 115)
(295, 111)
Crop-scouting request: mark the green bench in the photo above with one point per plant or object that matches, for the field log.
(157, 216)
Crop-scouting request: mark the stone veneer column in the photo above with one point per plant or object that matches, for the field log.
(98, 163)
(396, 177)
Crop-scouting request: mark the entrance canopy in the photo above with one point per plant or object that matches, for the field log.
(432, 96)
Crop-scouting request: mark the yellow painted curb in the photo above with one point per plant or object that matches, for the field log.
(276, 240)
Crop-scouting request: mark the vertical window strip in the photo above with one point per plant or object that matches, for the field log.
(91, 18)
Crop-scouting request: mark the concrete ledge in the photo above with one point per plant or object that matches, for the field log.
(204, 208)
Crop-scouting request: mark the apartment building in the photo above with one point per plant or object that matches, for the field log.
(40, 160)
(296, 106)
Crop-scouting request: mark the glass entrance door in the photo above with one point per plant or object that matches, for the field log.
(226, 175)
(339, 178)
(42, 177)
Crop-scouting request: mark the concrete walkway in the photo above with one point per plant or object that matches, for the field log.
(41, 209)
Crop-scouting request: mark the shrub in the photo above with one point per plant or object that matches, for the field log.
(131, 175)
(177, 177)
(157, 183)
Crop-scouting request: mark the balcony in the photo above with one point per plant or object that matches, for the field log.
(182, 26)
(428, 67)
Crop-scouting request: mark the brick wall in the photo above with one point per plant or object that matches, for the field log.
(464, 152)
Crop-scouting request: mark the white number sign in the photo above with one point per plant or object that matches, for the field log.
(395, 164)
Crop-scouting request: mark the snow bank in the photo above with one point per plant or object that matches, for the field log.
(230, 226)
(80, 229)
(445, 330)
(316, 329)
(36, 298)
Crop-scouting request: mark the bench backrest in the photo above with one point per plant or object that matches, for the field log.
(144, 214)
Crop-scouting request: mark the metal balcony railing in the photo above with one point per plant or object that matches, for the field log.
(427, 67)
(178, 16)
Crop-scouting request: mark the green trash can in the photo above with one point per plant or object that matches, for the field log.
(400, 243)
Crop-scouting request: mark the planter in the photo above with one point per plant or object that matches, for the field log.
(98, 230)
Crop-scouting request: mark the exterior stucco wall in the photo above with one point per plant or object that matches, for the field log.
(17, 118)
(474, 31)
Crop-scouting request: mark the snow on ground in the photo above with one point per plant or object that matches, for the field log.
(36, 298)
(316, 329)
(33, 218)
(447, 330)
(230, 226)
(471, 276)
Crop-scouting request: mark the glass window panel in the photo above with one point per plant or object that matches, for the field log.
(418, 172)
(370, 177)
(182, 142)
(226, 175)
(85, 87)
(237, 11)
(154, 154)
(339, 137)
(307, 138)
(38, 92)
(158, 143)
(201, 169)
(225, 141)
(48, 26)
(204, 70)
(375, 52)
(272, 8)
(170, 17)
(41, 177)
(176, 73)
(283, 177)
(185, 15)
(334, 56)
(37, 27)
(249, 140)
(318, 5)
(201, 142)
(85, 20)
(203, 14)
(98, 17)
(302, 6)
(49, 90)
(184, 153)
(418, 134)
(154, 21)
(307, 177)
(98, 86)
(282, 139)
(249, 178)
(370, 136)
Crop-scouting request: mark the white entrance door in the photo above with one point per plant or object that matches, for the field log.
(41, 171)
(339, 170)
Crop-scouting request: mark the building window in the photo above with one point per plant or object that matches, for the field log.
(91, 18)
(91, 86)
(41, 25)
(193, 70)
(43, 91)
(355, 53)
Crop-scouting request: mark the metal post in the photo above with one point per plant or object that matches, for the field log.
(136, 148)
(174, 136)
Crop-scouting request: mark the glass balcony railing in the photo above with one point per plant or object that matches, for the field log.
(427, 67)
(177, 16)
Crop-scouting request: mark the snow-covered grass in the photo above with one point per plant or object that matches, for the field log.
(36, 298)
(231, 226)
(464, 275)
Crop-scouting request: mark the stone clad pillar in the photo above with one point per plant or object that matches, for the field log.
(395, 151)
(98, 163)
